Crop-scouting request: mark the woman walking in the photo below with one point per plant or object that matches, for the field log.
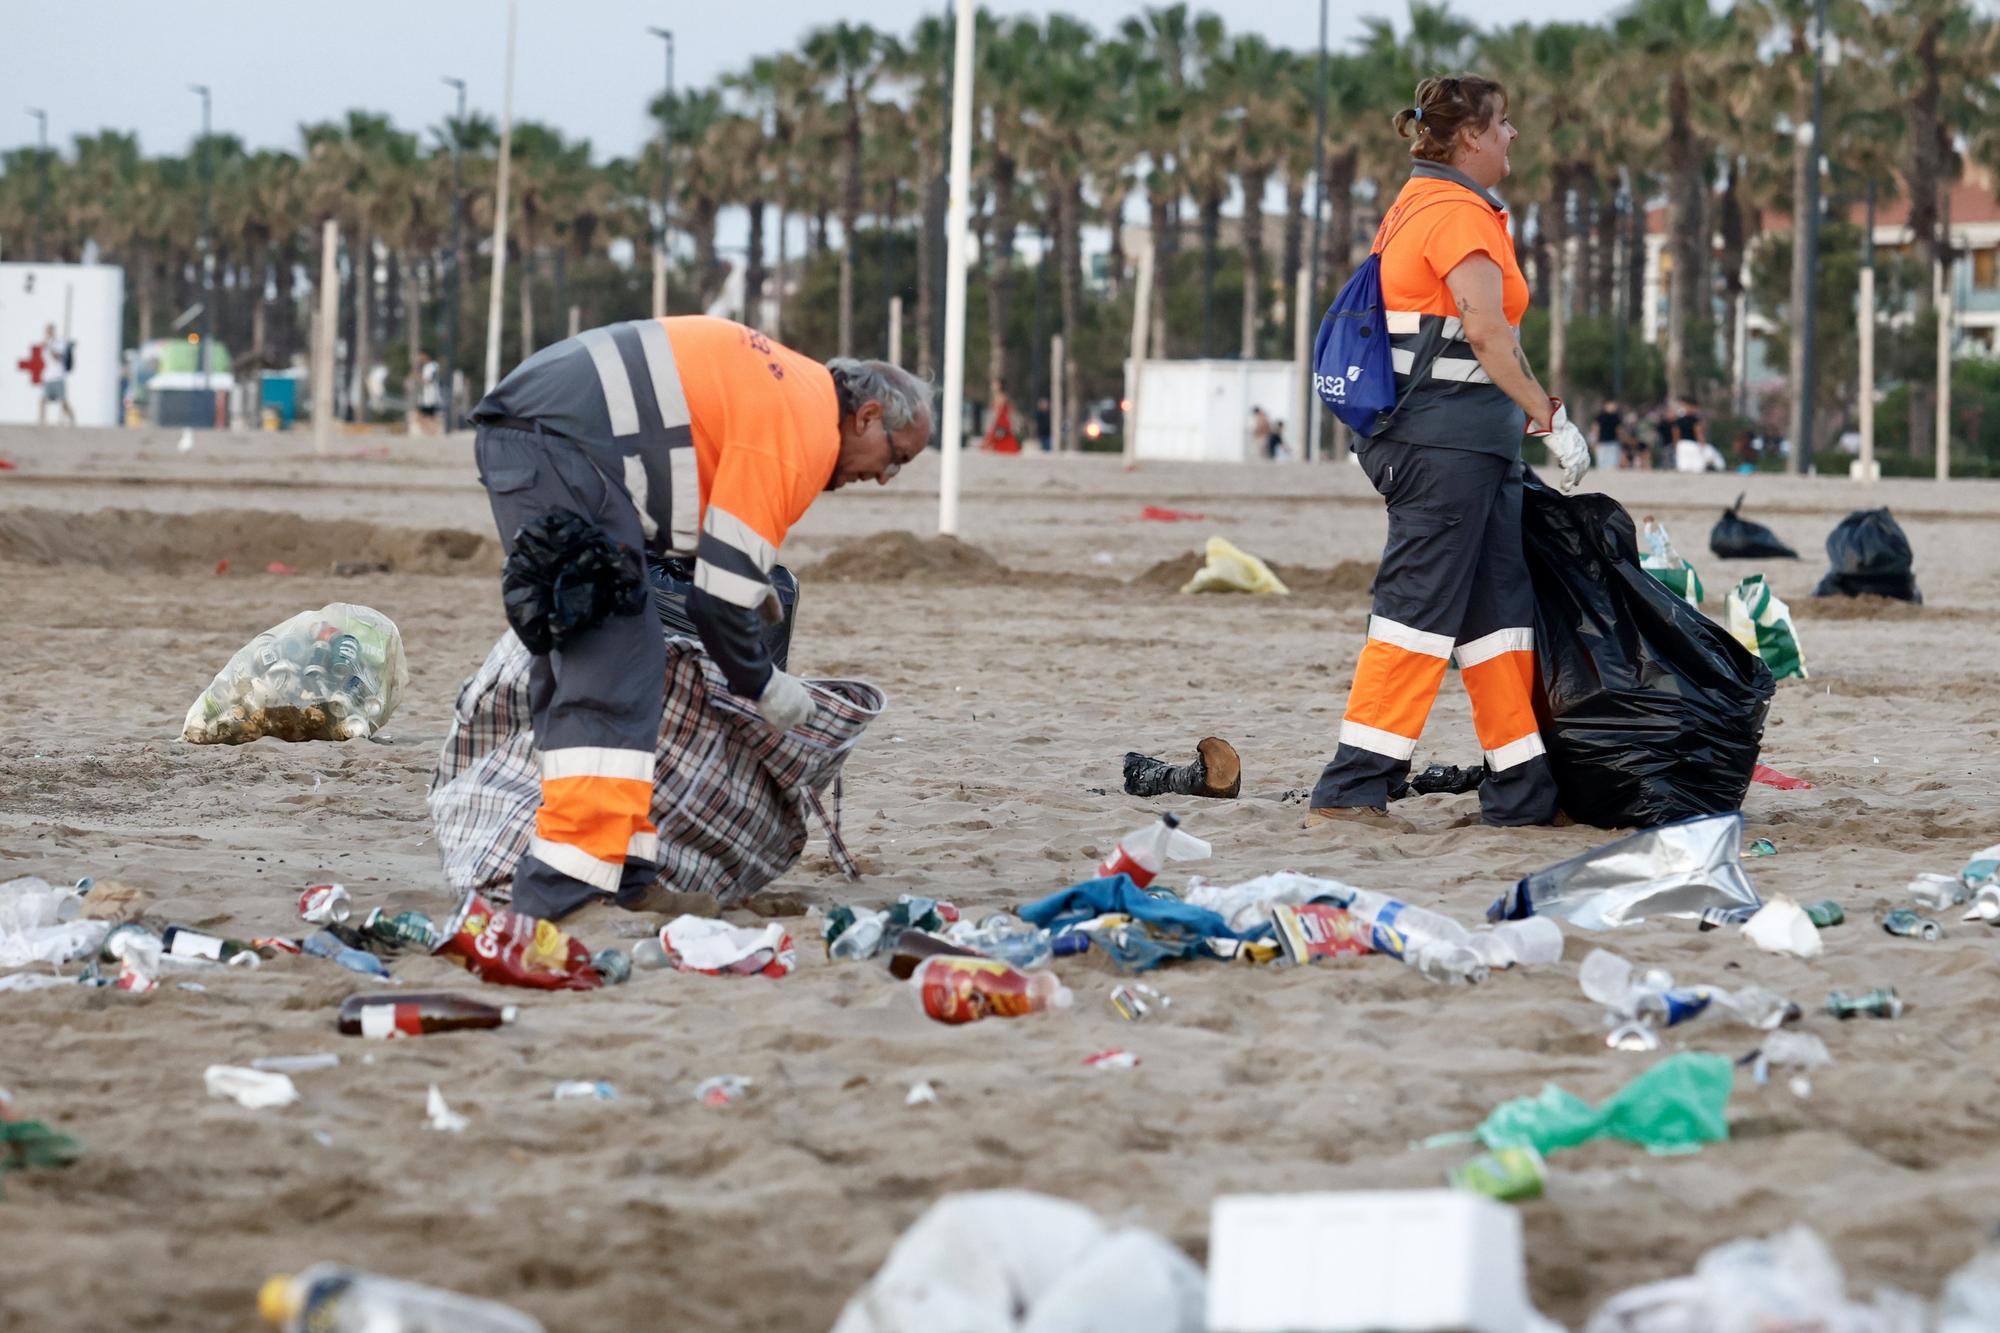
(1453, 579)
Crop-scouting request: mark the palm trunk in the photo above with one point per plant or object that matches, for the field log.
(784, 270)
(930, 254)
(1069, 215)
(364, 284)
(1294, 242)
(1554, 234)
(1604, 277)
(1924, 175)
(753, 269)
(1255, 178)
(412, 325)
(1114, 221)
(145, 267)
(1163, 253)
(1211, 243)
(1000, 270)
(259, 323)
(1683, 224)
(527, 291)
(850, 217)
(1340, 173)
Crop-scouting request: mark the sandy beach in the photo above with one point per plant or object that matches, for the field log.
(1019, 668)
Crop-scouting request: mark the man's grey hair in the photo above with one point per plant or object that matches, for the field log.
(904, 397)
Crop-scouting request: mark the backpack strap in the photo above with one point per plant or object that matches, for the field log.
(1418, 369)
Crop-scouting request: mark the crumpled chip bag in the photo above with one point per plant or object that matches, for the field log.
(334, 674)
(1232, 570)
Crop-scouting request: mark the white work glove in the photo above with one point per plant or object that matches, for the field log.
(785, 702)
(1568, 447)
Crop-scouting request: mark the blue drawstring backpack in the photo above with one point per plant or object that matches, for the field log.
(1352, 370)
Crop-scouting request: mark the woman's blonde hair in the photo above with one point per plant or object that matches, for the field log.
(1444, 106)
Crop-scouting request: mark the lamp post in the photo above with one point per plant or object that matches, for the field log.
(42, 190)
(1309, 423)
(660, 253)
(497, 288)
(451, 262)
(207, 191)
(1802, 411)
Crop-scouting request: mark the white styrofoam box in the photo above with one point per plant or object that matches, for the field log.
(1402, 1261)
(86, 303)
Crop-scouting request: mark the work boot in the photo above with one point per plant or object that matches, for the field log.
(1215, 772)
(1368, 816)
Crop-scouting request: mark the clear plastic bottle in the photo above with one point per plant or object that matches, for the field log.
(329, 1298)
(862, 939)
(1530, 942)
(1006, 937)
(1144, 853)
(1433, 943)
(32, 902)
(1936, 891)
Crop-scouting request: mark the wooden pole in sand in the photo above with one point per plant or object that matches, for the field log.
(895, 330)
(951, 431)
(1866, 471)
(1142, 306)
(499, 288)
(1056, 418)
(328, 323)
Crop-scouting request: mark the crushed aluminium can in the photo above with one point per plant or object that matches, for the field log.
(1133, 1002)
(1882, 1002)
(1908, 924)
(404, 930)
(1826, 912)
(1508, 1174)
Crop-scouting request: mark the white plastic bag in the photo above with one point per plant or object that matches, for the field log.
(334, 674)
(1007, 1261)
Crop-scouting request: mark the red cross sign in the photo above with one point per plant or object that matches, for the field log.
(34, 364)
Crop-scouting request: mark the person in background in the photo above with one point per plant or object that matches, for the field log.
(1274, 445)
(1692, 452)
(1663, 436)
(429, 402)
(55, 378)
(1745, 450)
(1260, 430)
(1610, 422)
(1000, 437)
(1042, 423)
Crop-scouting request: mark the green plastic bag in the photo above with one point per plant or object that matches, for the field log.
(1676, 1106)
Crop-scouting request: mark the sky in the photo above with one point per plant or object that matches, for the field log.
(586, 66)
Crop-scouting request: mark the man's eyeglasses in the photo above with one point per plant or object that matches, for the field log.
(896, 460)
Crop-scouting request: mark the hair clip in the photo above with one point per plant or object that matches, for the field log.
(1417, 112)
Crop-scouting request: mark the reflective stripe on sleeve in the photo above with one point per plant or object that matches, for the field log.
(733, 531)
(1489, 646)
(728, 586)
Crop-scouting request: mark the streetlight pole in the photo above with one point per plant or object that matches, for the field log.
(42, 191)
(450, 408)
(497, 288)
(661, 252)
(207, 191)
(1309, 424)
(1801, 456)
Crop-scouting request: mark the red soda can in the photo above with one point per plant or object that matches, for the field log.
(325, 904)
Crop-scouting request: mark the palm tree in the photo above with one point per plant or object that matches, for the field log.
(1941, 56)
(848, 55)
(1009, 57)
(1255, 77)
(1059, 104)
(1680, 41)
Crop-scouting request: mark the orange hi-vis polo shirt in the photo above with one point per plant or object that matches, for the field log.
(1441, 218)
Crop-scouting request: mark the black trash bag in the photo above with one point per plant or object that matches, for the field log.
(673, 579)
(1446, 779)
(1650, 710)
(564, 576)
(1735, 537)
(1870, 555)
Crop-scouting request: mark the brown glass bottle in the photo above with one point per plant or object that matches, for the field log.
(392, 1014)
(913, 946)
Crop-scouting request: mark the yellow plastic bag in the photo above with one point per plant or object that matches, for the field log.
(1231, 570)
